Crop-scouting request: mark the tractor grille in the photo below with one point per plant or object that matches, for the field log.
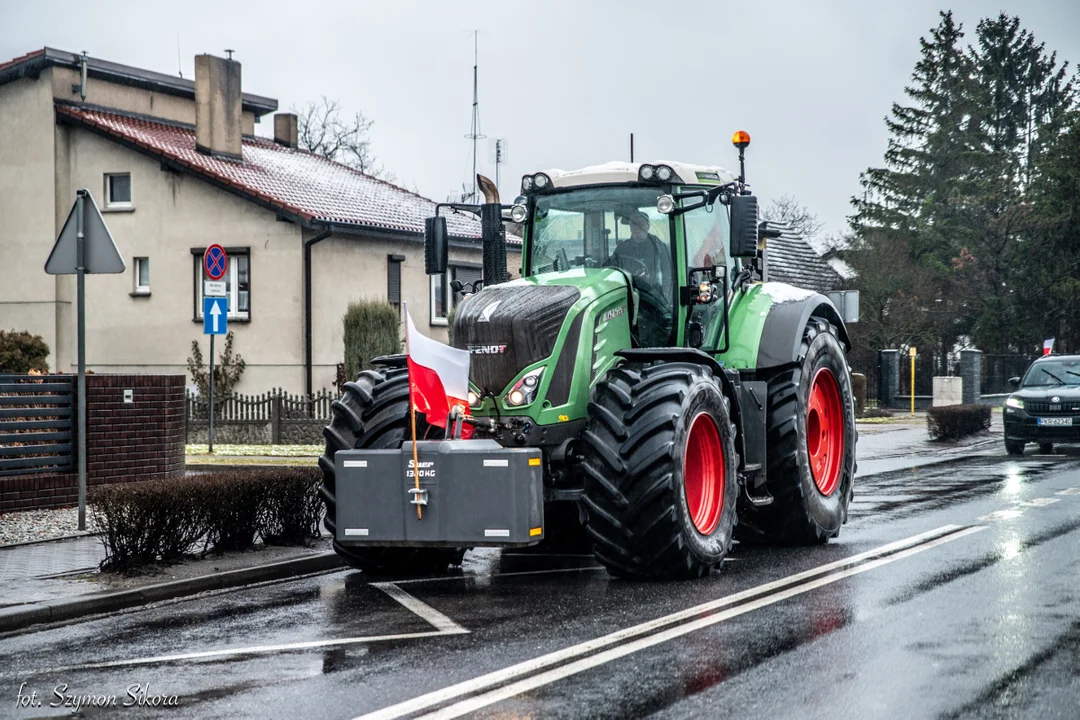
(1049, 408)
(519, 330)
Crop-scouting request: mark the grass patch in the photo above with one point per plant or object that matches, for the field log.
(275, 451)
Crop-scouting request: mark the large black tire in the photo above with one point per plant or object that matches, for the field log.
(802, 513)
(635, 452)
(1014, 447)
(373, 413)
(1046, 448)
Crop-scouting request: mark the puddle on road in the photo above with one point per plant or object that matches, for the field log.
(941, 485)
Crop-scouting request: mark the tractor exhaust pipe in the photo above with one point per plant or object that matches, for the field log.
(492, 233)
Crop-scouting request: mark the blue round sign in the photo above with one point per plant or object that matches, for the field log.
(215, 262)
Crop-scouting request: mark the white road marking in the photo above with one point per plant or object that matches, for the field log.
(498, 677)
(435, 618)
(1000, 515)
(252, 650)
(475, 703)
(442, 624)
(1068, 491)
(1039, 502)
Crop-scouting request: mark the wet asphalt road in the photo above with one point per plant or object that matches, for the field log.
(952, 592)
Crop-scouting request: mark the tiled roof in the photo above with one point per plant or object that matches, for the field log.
(298, 182)
(21, 59)
(790, 259)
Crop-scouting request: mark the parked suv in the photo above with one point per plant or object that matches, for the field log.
(1046, 406)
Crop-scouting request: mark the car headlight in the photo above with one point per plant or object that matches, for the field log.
(1014, 402)
(524, 390)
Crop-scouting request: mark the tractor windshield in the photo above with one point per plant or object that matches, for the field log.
(612, 226)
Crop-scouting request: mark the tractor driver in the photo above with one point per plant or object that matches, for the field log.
(647, 260)
(643, 255)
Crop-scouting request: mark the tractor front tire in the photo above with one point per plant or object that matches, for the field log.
(373, 413)
(810, 440)
(660, 471)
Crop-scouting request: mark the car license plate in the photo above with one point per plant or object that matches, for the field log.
(1055, 421)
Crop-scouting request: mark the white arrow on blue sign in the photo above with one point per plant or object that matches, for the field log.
(215, 316)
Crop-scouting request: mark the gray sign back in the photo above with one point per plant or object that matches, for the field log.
(101, 253)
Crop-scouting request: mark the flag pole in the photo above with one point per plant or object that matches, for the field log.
(412, 413)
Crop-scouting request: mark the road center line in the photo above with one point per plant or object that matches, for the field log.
(475, 703)
(498, 677)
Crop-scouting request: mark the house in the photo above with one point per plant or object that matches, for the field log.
(174, 166)
(791, 259)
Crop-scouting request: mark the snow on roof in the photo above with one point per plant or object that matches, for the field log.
(620, 172)
(310, 187)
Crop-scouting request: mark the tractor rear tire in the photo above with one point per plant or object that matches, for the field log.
(373, 413)
(810, 440)
(660, 471)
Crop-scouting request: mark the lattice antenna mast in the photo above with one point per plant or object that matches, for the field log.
(474, 132)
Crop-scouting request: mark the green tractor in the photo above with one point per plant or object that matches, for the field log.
(642, 387)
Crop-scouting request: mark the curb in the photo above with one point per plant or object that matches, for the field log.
(61, 538)
(18, 617)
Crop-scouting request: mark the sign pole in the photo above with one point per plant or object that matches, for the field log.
(80, 272)
(913, 382)
(211, 433)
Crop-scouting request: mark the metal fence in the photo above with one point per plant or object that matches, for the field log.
(36, 414)
(276, 404)
(927, 367)
(997, 369)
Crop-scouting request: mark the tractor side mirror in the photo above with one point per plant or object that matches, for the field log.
(1014, 381)
(744, 227)
(436, 245)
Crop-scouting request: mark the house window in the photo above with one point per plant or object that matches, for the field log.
(393, 279)
(118, 190)
(237, 284)
(142, 276)
(443, 298)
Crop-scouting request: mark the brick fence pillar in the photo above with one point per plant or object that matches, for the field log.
(971, 372)
(888, 377)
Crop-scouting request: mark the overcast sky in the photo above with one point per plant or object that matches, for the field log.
(564, 82)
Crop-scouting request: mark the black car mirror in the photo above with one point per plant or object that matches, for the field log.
(436, 246)
(1014, 381)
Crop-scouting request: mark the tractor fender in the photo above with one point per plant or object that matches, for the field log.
(782, 333)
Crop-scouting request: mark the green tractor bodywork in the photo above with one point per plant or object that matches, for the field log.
(664, 382)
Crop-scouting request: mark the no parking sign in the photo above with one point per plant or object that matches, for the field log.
(215, 262)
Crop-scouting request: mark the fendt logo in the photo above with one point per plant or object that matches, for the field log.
(485, 314)
(487, 349)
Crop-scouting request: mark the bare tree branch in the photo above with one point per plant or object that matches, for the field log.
(322, 130)
(787, 209)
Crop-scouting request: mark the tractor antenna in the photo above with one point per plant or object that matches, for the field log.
(631, 147)
(474, 132)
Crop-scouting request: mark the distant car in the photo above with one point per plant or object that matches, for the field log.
(1045, 409)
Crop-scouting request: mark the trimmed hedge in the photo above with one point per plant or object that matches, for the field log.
(21, 352)
(952, 422)
(372, 329)
(164, 520)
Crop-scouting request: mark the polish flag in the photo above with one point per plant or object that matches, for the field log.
(438, 376)
(1048, 346)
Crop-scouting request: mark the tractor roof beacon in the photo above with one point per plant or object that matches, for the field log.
(642, 389)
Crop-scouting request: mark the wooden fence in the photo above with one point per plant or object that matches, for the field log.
(275, 417)
(36, 424)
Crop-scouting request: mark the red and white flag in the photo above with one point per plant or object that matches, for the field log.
(1048, 346)
(438, 376)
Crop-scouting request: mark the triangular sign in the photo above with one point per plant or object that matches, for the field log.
(100, 251)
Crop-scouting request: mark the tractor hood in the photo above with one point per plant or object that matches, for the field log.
(513, 325)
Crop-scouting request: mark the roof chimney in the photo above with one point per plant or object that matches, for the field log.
(285, 132)
(217, 106)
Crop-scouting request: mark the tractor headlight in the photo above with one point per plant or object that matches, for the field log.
(665, 204)
(524, 390)
(646, 173)
(518, 213)
(541, 181)
(526, 183)
(474, 399)
(664, 173)
(1014, 402)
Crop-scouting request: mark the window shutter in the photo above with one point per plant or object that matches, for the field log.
(393, 279)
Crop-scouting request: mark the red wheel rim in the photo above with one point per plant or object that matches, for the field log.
(825, 431)
(703, 474)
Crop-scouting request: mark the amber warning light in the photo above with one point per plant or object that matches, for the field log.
(740, 139)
